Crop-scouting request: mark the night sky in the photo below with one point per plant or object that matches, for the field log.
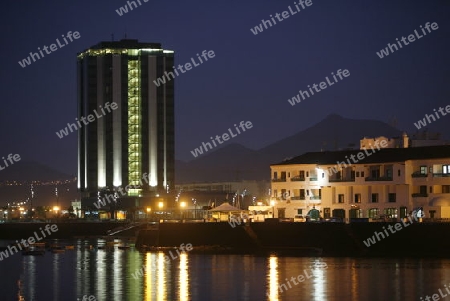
(250, 78)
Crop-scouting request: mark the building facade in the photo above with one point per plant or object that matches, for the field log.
(365, 183)
(130, 141)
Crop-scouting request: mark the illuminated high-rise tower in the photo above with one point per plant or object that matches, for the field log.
(137, 137)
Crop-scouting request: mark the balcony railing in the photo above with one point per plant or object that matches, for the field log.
(341, 180)
(279, 180)
(379, 179)
(298, 198)
(297, 178)
(421, 195)
(417, 174)
(441, 175)
(315, 197)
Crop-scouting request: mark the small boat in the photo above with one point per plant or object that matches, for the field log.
(34, 249)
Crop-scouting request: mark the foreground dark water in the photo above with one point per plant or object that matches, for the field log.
(111, 275)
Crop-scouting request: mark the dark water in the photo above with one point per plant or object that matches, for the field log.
(108, 275)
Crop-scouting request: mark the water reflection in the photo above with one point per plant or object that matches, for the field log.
(183, 282)
(273, 278)
(113, 274)
(319, 280)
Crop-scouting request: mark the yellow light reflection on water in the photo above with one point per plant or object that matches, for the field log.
(161, 278)
(148, 276)
(184, 278)
(273, 278)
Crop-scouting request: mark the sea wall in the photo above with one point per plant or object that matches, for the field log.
(334, 239)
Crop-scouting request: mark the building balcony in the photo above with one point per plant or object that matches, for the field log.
(379, 179)
(279, 180)
(315, 197)
(419, 195)
(297, 179)
(417, 174)
(341, 180)
(298, 198)
(441, 175)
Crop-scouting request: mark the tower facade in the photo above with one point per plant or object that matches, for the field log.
(129, 142)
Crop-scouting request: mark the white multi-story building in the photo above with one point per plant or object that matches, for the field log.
(364, 183)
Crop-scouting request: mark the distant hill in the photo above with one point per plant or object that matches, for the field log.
(236, 162)
(26, 171)
(31, 171)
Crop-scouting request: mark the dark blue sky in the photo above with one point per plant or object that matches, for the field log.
(250, 78)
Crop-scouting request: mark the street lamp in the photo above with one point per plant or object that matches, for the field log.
(272, 203)
(56, 209)
(148, 211)
(182, 205)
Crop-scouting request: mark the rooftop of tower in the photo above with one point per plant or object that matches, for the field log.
(123, 45)
(126, 43)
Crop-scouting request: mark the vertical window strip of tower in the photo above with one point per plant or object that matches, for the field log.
(134, 125)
